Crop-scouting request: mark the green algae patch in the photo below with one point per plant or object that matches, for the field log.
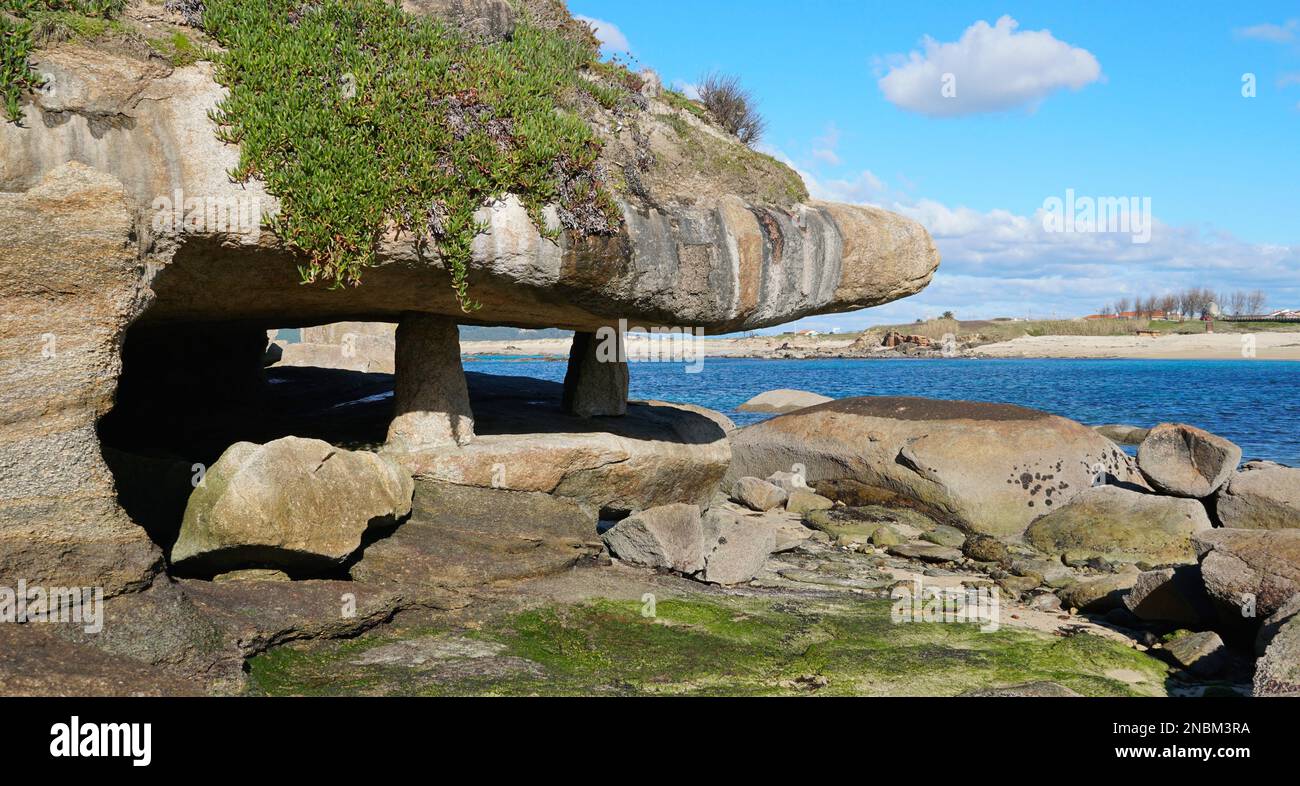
(711, 646)
(365, 120)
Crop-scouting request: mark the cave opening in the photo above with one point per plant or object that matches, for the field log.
(187, 392)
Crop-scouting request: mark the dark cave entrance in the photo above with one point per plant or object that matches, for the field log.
(187, 392)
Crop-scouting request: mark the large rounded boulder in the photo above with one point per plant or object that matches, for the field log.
(988, 468)
(1263, 495)
(298, 504)
(1123, 526)
(1187, 461)
(782, 401)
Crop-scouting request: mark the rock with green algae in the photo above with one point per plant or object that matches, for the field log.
(858, 524)
(1122, 526)
(716, 646)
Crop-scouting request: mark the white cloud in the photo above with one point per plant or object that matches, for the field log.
(1002, 263)
(989, 69)
(610, 37)
(688, 89)
(1284, 33)
(825, 147)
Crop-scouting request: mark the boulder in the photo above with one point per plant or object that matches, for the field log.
(1203, 654)
(989, 468)
(1122, 434)
(757, 494)
(1263, 495)
(461, 536)
(1100, 594)
(1253, 570)
(805, 501)
(736, 549)
(295, 504)
(1278, 672)
(782, 401)
(885, 536)
(788, 531)
(926, 552)
(944, 535)
(1172, 595)
(984, 548)
(789, 482)
(1186, 461)
(1120, 526)
(669, 536)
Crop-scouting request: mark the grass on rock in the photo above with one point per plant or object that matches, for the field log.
(23, 22)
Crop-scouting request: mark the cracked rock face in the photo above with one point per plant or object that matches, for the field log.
(987, 468)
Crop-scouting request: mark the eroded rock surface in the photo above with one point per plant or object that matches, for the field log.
(1187, 461)
(988, 468)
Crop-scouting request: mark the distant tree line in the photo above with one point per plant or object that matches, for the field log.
(1191, 303)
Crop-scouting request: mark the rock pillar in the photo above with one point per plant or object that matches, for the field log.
(597, 379)
(431, 399)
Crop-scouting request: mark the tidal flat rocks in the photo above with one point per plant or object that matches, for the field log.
(1122, 526)
(987, 468)
(293, 503)
(1187, 461)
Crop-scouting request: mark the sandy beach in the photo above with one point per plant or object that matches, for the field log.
(1212, 346)
(1208, 346)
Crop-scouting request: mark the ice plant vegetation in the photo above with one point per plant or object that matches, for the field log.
(18, 20)
(363, 120)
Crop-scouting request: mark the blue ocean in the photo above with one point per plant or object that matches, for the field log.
(1255, 403)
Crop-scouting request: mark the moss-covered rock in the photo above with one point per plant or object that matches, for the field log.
(713, 646)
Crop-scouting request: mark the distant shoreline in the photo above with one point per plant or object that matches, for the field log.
(1199, 346)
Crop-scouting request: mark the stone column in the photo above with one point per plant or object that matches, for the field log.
(596, 381)
(432, 399)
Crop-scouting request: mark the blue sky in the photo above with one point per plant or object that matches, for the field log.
(1108, 99)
